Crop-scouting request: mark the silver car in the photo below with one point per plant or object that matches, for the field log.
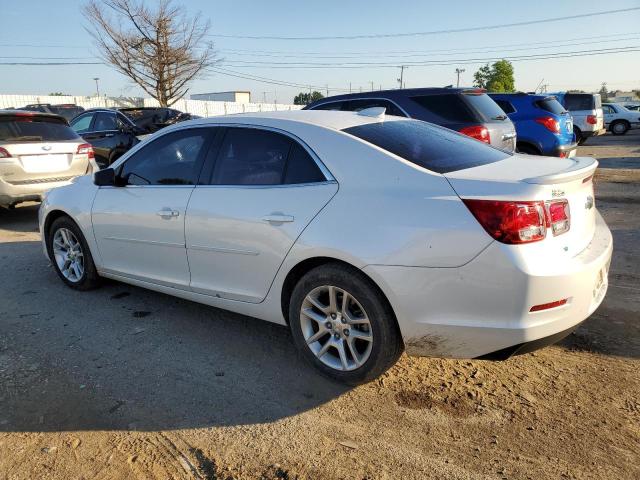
(38, 151)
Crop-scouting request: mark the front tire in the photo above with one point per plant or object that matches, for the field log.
(70, 255)
(342, 324)
(619, 128)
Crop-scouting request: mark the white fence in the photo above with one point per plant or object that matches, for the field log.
(203, 108)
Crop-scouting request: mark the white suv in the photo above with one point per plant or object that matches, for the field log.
(38, 151)
(618, 119)
(586, 110)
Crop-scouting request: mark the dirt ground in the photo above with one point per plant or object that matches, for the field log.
(125, 383)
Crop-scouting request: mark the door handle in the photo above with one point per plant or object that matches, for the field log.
(167, 213)
(108, 134)
(278, 218)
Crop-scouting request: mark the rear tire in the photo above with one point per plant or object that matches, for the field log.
(70, 255)
(580, 139)
(619, 127)
(352, 342)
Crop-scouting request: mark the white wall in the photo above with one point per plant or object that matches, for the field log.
(197, 107)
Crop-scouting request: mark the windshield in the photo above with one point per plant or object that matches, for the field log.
(34, 129)
(434, 148)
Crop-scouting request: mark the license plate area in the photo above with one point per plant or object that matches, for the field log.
(55, 162)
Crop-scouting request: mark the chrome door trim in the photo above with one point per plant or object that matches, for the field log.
(149, 242)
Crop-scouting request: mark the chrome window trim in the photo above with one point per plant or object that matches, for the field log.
(329, 178)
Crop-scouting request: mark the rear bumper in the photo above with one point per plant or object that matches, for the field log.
(10, 193)
(484, 306)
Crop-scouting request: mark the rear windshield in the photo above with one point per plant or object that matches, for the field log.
(582, 101)
(551, 105)
(34, 129)
(485, 105)
(429, 146)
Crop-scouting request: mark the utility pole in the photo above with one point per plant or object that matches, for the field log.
(97, 87)
(349, 87)
(371, 85)
(458, 72)
(264, 97)
(309, 99)
(327, 89)
(401, 79)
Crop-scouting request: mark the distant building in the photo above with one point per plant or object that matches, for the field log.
(621, 97)
(235, 96)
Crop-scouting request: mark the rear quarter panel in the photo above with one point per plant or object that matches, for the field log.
(388, 211)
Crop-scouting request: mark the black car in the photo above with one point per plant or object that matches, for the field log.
(152, 119)
(66, 110)
(110, 133)
(466, 110)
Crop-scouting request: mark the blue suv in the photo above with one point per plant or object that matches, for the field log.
(543, 125)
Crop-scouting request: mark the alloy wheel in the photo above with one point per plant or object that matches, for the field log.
(336, 328)
(68, 254)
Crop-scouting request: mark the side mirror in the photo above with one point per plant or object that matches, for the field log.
(105, 178)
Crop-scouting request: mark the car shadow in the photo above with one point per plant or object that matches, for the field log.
(122, 357)
(21, 219)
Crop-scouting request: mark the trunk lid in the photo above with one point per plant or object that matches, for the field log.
(532, 178)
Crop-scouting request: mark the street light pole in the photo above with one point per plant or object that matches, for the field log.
(97, 87)
(458, 72)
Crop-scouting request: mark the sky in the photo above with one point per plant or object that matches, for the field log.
(46, 30)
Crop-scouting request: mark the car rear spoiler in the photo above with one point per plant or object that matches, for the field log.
(583, 167)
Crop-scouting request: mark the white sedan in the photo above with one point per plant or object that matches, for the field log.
(365, 234)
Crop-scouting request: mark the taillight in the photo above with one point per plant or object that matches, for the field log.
(85, 149)
(592, 119)
(549, 123)
(478, 132)
(4, 153)
(521, 222)
(510, 222)
(559, 216)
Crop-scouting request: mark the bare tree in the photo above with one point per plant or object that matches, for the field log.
(160, 49)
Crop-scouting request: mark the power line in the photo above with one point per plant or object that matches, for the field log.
(432, 32)
(578, 53)
(391, 53)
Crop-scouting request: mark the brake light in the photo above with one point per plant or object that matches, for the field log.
(85, 149)
(4, 153)
(546, 306)
(521, 222)
(549, 123)
(592, 119)
(478, 132)
(510, 222)
(559, 216)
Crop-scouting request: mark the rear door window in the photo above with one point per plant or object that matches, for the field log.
(434, 148)
(250, 156)
(34, 129)
(551, 105)
(105, 121)
(449, 107)
(580, 101)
